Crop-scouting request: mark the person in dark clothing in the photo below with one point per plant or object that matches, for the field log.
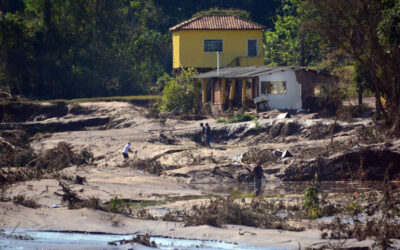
(258, 176)
(208, 134)
(203, 134)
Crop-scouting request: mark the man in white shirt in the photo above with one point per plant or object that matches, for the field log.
(127, 149)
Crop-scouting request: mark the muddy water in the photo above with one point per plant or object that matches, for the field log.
(293, 187)
(30, 239)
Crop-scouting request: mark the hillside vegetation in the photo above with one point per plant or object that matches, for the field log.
(76, 49)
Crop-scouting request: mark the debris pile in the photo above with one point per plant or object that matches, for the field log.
(20, 163)
(359, 163)
(14, 148)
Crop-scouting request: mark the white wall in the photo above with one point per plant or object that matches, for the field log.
(292, 98)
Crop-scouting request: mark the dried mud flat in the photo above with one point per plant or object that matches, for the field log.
(171, 172)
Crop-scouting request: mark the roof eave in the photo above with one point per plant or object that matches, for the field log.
(172, 30)
(181, 26)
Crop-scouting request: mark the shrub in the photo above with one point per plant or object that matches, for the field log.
(178, 93)
(372, 135)
(46, 163)
(174, 216)
(347, 113)
(235, 210)
(22, 200)
(311, 199)
(241, 117)
(15, 150)
(381, 224)
(116, 205)
(85, 156)
(221, 120)
(93, 202)
(256, 154)
(151, 166)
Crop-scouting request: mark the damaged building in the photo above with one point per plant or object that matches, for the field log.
(276, 87)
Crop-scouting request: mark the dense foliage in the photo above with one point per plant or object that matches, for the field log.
(174, 12)
(80, 48)
(355, 40)
(368, 31)
(179, 92)
(216, 11)
(291, 42)
(73, 48)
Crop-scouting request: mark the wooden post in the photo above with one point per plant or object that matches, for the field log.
(223, 89)
(243, 92)
(204, 90)
(196, 90)
(253, 89)
(232, 91)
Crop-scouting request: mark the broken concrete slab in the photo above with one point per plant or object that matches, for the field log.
(282, 153)
(283, 115)
(286, 154)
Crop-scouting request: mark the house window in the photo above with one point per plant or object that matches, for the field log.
(213, 45)
(273, 88)
(317, 90)
(264, 88)
(252, 47)
(321, 89)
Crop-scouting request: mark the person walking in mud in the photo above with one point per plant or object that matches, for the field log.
(127, 149)
(207, 135)
(203, 134)
(258, 177)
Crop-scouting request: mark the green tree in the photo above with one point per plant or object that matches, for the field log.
(389, 27)
(76, 48)
(291, 43)
(362, 80)
(179, 92)
(175, 12)
(216, 11)
(357, 28)
(12, 53)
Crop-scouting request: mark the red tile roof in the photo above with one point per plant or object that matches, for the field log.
(217, 22)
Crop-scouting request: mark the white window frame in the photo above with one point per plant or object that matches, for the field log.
(209, 40)
(248, 50)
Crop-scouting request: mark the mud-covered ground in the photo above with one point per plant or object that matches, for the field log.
(171, 171)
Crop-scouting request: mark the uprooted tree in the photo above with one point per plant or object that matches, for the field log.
(368, 30)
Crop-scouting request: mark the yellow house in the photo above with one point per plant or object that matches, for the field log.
(208, 41)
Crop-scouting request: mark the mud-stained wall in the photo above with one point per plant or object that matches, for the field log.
(217, 92)
(309, 79)
(292, 98)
